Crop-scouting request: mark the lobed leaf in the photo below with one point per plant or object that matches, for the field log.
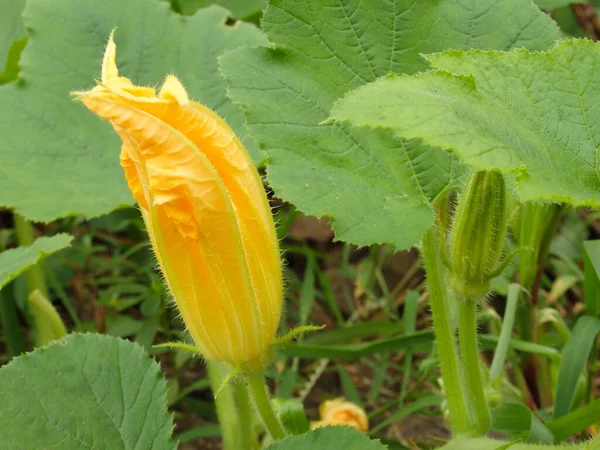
(375, 187)
(533, 114)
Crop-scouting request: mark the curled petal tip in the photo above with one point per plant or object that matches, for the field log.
(109, 62)
(173, 90)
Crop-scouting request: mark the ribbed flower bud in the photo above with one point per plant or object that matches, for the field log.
(478, 232)
(206, 212)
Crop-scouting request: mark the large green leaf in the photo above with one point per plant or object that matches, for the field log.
(56, 158)
(85, 391)
(535, 114)
(329, 438)
(15, 261)
(376, 188)
(11, 26)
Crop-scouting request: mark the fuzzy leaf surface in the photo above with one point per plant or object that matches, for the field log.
(534, 114)
(85, 391)
(375, 187)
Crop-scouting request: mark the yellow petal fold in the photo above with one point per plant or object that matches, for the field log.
(205, 209)
(339, 411)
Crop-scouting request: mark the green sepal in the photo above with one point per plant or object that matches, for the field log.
(292, 334)
(179, 346)
(478, 233)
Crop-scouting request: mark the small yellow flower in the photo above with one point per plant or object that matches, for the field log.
(206, 212)
(342, 412)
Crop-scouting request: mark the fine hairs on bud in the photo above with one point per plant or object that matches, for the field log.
(478, 234)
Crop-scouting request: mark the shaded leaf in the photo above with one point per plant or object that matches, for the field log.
(292, 415)
(239, 8)
(517, 420)
(56, 158)
(15, 261)
(551, 4)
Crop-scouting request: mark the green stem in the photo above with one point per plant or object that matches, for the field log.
(260, 395)
(248, 437)
(444, 333)
(15, 344)
(26, 236)
(467, 331)
(508, 322)
(225, 405)
(538, 224)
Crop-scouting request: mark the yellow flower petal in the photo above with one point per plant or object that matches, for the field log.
(206, 211)
(342, 412)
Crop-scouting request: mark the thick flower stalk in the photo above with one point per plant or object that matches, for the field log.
(206, 212)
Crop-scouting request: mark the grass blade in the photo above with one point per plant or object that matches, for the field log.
(574, 358)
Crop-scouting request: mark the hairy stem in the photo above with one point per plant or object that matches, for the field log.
(226, 409)
(26, 236)
(260, 395)
(467, 331)
(248, 437)
(444, 334)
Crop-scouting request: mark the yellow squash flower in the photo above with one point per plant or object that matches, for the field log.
(341, 412)
(206, 212)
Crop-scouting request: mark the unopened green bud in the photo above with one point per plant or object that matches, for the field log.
(478, 231)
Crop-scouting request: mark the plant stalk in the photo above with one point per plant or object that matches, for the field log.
(537, 227)
(497, 367)
(454, 388)
(26, 236)
(227, 412)
(248, 437)
(467, 332)
(262, 402)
